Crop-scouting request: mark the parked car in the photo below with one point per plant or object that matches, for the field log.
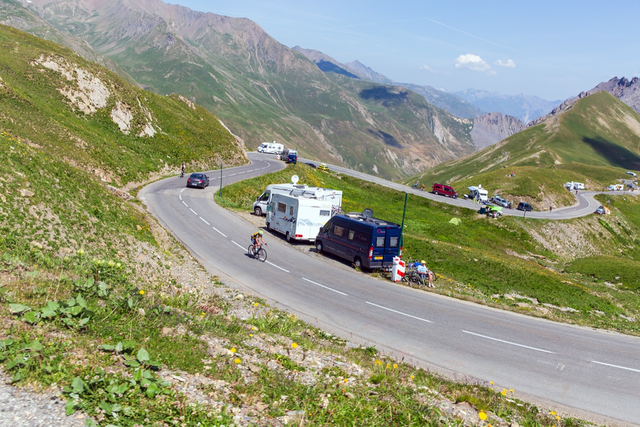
(310, 164)
(198, 180)
(497, 200)
(631, 173)
(323, 167)
(444, 190)
(522, 206)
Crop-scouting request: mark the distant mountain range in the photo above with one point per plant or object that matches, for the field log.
(524, 107)
(261, 89)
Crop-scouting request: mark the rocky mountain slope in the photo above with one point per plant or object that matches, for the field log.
(493, 127)
(261, 89)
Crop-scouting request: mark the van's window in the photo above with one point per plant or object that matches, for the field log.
(338, 231)
(325, 213)
(380, 242)
(282, 207)
(265, 196)
(291, 210)
(393, 241)
(351, 234)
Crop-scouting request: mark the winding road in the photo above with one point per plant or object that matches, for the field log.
(582, 372)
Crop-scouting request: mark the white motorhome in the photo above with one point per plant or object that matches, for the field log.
(271, 148)
(298, 218)
(478, 193)
(300, 214)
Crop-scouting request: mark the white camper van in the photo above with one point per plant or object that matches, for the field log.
(479, 193)
(298, 218)
(271, 148)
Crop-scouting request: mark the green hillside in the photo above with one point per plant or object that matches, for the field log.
(594, 142)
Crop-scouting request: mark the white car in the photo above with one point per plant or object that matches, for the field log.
(631, 173)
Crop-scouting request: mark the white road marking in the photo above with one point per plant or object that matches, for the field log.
(236, 243)
(223, 235)
(326, 287)
(276, 266)
(616, 366)
(180, 195)
(182, 190)
(185, 204)
(509, 342)
(194, 212)
(205, 221)
(399, 312)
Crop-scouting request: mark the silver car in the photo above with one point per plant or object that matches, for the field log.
(500, 201)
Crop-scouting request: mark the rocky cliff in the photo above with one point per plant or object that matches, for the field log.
(494, 127)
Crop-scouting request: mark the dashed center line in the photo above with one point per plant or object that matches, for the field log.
(236, 243)
(222, 234)
(399, 312)
(277, 266)
(183, 202)
(194, 212)
(509, 342)
(615, 366)
(205, 221)
(323, 286)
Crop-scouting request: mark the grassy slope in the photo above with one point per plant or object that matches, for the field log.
(487, 260)
(595, 142)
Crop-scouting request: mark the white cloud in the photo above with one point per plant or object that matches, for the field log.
(472, 62)
(508, 63)
(427, 68)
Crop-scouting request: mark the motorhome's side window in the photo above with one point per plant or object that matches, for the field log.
(338, 231)
(380, 242)
(282, 207)
(325, 213)
(351, 234)
(291, 210)
(393, 241)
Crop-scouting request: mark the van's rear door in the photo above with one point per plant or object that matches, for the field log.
(391, 246)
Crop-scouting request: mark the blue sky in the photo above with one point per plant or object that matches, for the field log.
(551, 49)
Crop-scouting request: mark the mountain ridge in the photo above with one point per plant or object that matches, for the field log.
(261, 89)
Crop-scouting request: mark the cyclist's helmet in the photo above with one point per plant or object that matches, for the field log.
(261, 232)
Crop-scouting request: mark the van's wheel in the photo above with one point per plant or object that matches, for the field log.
(357, 262)
(257, 211)
(318, 246)
(288, 237)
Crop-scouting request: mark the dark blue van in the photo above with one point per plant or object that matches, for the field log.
(363, 240)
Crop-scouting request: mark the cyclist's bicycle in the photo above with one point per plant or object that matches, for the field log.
(260, 254)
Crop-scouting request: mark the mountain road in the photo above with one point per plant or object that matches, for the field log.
(579, 371)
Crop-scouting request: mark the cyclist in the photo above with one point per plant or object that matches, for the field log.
(257, 240)
(182, 173)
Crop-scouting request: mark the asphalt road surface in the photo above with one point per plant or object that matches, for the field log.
(569, 369)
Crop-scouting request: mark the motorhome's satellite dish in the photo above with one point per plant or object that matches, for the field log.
(295, 179)
(367, 213)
